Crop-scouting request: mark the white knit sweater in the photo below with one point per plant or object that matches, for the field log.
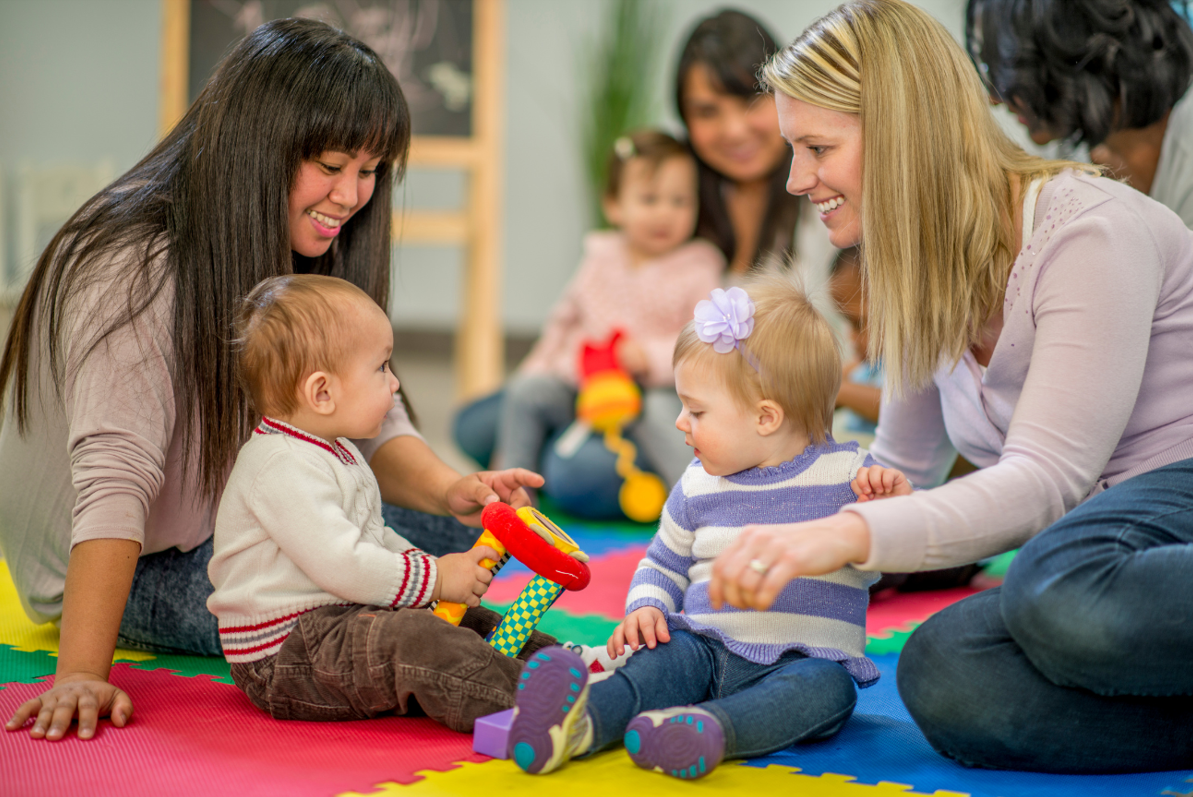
(299, 526)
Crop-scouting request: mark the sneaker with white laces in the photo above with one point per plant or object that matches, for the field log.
(550, 721)
(683, 742)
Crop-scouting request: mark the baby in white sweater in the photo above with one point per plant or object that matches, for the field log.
(321, 607)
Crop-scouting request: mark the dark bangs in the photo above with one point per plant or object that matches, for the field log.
(353, 104)
(732, 46)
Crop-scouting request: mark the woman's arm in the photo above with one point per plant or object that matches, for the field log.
(99, 575)
(1092, 325)
(119, 404)
(411, 475)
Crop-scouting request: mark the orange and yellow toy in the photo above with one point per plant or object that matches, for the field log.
(607, 402)
(556, 560)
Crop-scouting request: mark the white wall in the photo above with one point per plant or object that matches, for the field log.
(544, 210)
(79, 82)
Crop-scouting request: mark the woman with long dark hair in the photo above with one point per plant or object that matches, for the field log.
(1113, 74)
(122, 410)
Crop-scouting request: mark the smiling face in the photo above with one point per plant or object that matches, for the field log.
(737, 137)
(655, 206)
(366, 385)
(826, 165)
(328, 190)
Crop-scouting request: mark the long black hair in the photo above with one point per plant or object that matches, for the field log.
(1067, 62)
(205, 215)
(733, 46)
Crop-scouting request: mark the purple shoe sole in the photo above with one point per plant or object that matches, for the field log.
(551, 696)
(684, 743)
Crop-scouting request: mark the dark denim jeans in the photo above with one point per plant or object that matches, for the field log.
(761, 707)
(1083, 660)
(167, 606)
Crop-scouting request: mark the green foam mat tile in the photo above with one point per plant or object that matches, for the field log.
(20, 667)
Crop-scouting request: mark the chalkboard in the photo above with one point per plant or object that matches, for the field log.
(427, 44)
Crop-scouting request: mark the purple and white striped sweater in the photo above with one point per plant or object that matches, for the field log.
(822, 616)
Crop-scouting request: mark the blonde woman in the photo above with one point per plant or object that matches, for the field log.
(1037, 318)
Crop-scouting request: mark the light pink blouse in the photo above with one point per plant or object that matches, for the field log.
(1090, 383)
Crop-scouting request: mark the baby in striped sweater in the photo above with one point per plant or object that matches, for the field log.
(758, 374)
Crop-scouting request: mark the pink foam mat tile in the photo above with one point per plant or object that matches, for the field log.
(193, 736)
(902, 611)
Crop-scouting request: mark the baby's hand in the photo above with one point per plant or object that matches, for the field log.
(648, 621)
(462, 579)
(877, 482)
(632, 357)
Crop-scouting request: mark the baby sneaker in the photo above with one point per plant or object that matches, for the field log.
(597, 659)
(550, 721)
(683, 742)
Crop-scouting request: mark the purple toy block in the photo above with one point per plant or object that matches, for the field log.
(490, 734)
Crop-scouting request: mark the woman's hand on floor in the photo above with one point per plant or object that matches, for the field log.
(84, 695)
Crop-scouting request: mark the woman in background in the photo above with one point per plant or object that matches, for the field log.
(744, 210)
(1113, 74)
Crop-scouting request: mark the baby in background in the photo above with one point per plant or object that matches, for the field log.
(318, 601)
(757, 373)
(643, 279)
(860, 396)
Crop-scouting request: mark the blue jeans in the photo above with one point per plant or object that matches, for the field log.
(761, 707)
(1083, 660)
(585, 483)
(167, 605)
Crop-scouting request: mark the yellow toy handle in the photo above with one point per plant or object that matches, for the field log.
(454, 612)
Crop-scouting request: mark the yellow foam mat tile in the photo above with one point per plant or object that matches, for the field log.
(612, 772)
(19, 632)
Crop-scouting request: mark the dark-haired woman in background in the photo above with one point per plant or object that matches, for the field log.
(122, 414)
(744, 210)
(734, 130)
(1113, 74)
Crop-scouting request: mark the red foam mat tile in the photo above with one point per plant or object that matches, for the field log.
(190, 736)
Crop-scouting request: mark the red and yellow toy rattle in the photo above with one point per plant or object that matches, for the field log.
(556, 560)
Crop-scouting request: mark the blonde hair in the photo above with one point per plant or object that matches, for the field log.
(794, 349)
(287, 328)
(937, 205)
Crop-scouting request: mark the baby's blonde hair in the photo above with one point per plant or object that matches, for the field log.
(792, 345)
(289, 327)
(937, 204)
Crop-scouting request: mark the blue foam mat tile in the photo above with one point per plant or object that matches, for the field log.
(881, 743)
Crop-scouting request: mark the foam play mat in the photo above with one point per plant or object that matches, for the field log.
(194, 733)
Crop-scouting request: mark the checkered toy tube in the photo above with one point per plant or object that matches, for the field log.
(524, 614)
(557, 561)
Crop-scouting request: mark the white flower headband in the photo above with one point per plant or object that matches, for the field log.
(725, 319)
(624, 148)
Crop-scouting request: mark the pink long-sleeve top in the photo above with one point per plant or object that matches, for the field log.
(104, 459)
(1090, 383)
(650, 302)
